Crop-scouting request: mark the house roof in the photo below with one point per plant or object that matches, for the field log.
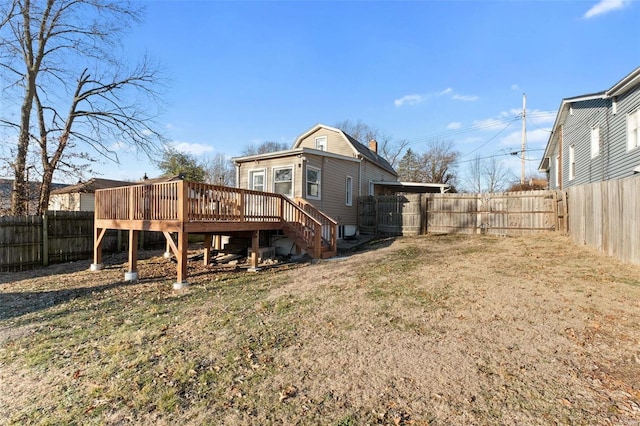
(91, 186)
(358, 147)
(625, 85)
(291, 152)
(414, 187)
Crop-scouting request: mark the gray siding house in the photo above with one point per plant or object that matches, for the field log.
(595, 137)
(326, 167)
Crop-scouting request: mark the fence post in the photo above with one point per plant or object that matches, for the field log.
(45, 240)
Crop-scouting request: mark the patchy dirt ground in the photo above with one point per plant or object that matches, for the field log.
(425, 330)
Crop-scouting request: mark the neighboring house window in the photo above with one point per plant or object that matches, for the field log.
(313, 183)
(349, 191)
(321, 143)
(283, 181)
(633, 123)
(572, 162)
(372, 188)
(257, 180)
(595, 141)
(557, 173)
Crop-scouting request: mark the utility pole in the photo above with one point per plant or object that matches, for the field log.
(524, 134)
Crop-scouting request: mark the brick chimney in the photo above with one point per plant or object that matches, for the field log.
(373, 145)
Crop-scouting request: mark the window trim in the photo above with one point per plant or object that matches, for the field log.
(557, 173)
(348, 191)
(250, 174)
(273, 180)
(635, 118)
(595, 143)
(321, 143)
(572, 162)
(319, 183)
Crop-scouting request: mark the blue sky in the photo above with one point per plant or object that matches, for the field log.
(243, 72)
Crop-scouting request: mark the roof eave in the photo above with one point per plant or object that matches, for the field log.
(626, 84)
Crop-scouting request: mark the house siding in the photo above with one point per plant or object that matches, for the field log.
(614, 160)
(335, 142)
(371, 172)
(268, 165)
(576, 132)
(334, 174)
(87, 202)
(622, 160)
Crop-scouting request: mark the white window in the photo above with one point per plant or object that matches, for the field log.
(283, 181)
(257, 180)
(313, 183)
(572, 162)
(557, 173)
(595, 141)
(321, 143)
(372, 188)
(348, 190)
(633, 124)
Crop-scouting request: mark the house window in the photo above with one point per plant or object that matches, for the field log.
(283, 181)
(348, 190)
(572, 162)
(372, 188)
(321, 143)
(257, 180)
(595, 141)
(557, 173)
(633, 124)
(313, 183)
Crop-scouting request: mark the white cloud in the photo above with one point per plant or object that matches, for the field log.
(454, 125)
(192, 148)
(535, 138)
(415, 99)
(409, 100)
(465, 98)
(515, 87)
(121, 147)
(606, 6)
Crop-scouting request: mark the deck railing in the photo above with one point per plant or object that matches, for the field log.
(199, 202)
(329, 225)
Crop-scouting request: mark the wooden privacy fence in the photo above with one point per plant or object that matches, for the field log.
(512, 213)
(606, 215)
(28, 242)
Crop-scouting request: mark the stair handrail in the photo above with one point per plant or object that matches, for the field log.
(328, 224)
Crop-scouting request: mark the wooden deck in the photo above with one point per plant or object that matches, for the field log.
(181, 208)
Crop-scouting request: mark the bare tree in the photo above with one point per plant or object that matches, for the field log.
(264, 148)
(487, 175)
(61, 54)
(409, 167)
(497, 175)
(438, 163)
(388, 148)
(219, 170)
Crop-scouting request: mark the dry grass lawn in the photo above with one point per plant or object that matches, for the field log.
(414, 331)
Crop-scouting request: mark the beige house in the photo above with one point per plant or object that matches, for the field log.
(326, 167)
(81, 196)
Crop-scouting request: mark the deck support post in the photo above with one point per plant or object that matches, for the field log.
(207, 248)
(132, 274)
(183, 242)
(217, 243)
(97, 249)
(167, 250)
(255, 249)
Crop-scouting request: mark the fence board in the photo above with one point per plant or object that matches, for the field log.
(69, 237)
(605, 215)
(514, 213)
